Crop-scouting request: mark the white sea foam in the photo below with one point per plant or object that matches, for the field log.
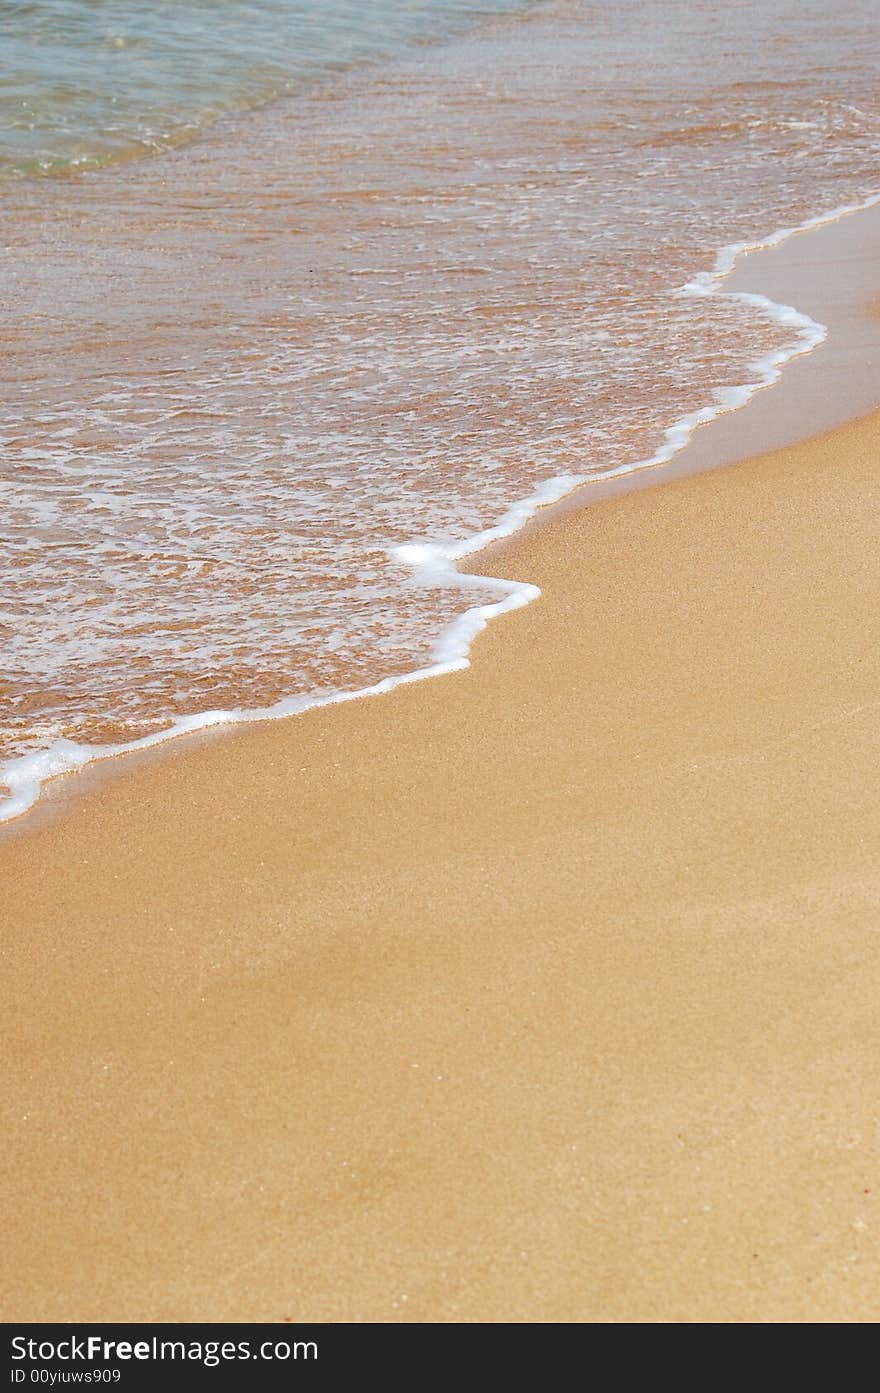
(437, 564)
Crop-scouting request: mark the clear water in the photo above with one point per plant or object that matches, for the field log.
(83, 82)
(239, 375)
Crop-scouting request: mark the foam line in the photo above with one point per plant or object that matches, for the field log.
(436, 564)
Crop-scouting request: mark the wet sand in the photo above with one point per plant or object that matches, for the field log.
(548, 990)
(379, 311)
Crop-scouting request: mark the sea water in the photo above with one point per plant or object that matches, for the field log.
(383, 279)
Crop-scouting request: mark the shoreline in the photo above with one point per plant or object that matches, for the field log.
(545, 992)
(683, 450)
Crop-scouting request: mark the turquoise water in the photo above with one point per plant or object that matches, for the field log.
(87, 82)
(259, 389)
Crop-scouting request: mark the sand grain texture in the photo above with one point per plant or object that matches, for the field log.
(550, 990)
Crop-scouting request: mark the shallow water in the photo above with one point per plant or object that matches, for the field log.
(86, 82)
(242, 373)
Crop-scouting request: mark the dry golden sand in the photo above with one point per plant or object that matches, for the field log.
(549, 990)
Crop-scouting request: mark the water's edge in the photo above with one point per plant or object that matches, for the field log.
(438, 565)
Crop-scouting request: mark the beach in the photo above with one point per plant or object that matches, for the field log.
(458, 427)
(545, 990)
(258, 384)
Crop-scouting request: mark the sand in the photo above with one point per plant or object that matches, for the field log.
(549, 990)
